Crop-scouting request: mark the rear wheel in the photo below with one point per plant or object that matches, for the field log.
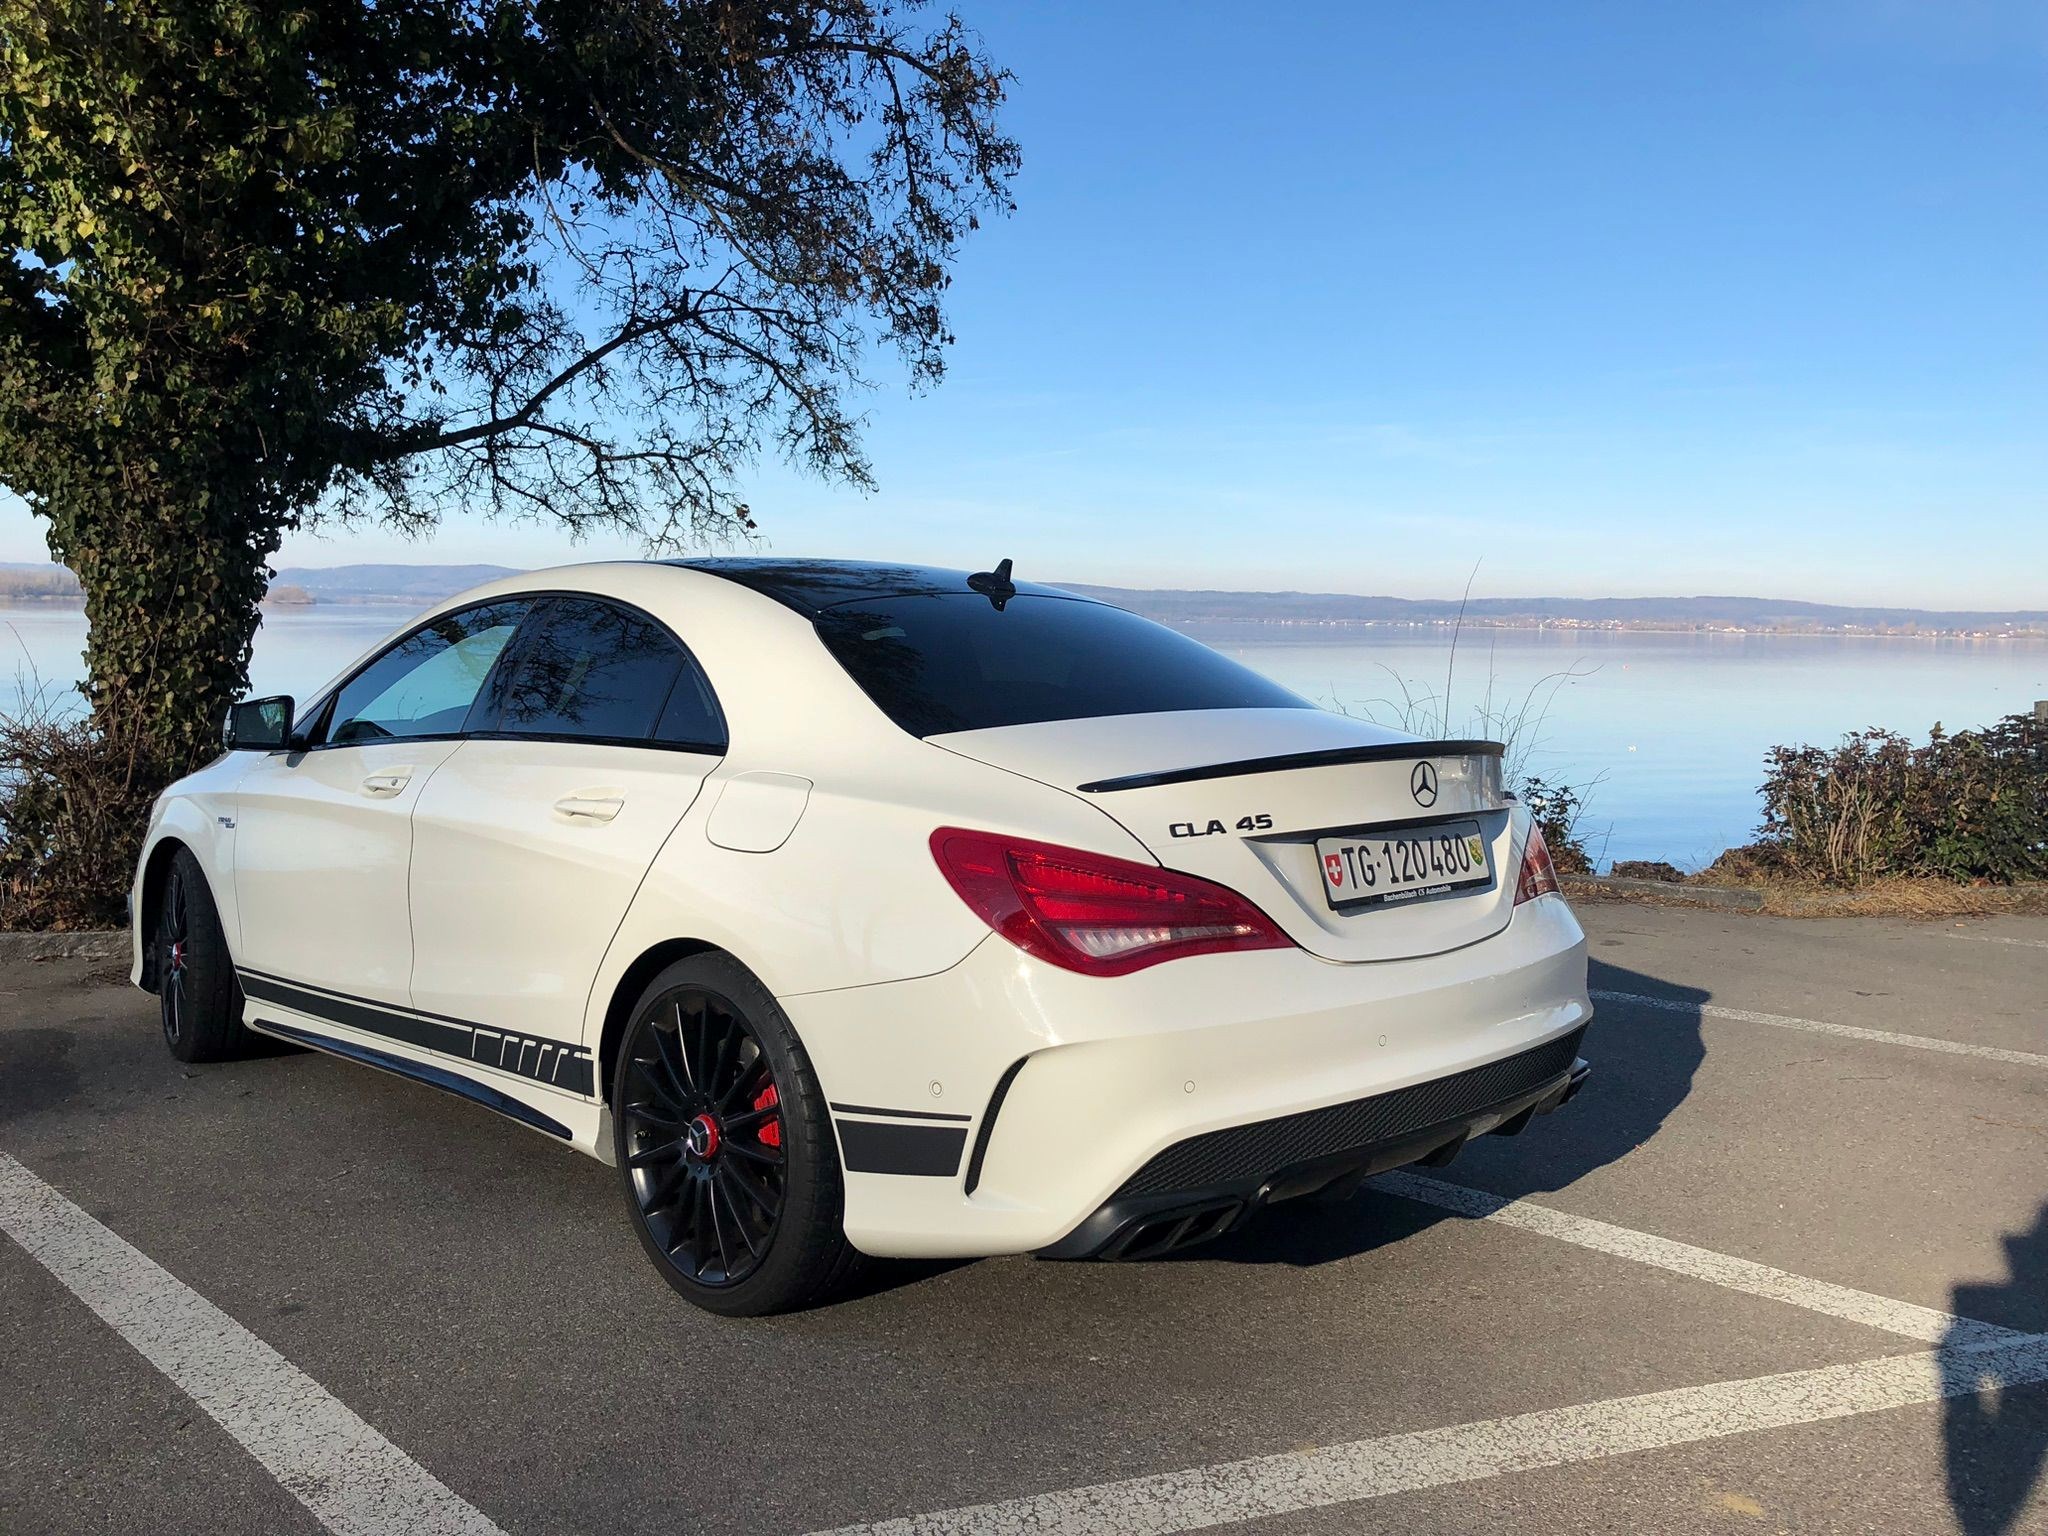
(724, 1145)
(199, 1001)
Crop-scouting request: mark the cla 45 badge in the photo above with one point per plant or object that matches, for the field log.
(1258, 823)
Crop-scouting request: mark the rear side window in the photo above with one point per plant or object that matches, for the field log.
(938, 662)
(598, 671)
(425, 684)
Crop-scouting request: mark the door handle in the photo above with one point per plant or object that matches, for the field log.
(385, 785)
(590, 807)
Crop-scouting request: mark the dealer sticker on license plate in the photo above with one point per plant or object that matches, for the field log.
(1372, 868)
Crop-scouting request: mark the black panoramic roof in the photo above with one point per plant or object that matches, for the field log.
(811, 586)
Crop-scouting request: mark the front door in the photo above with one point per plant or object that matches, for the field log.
(323, 845)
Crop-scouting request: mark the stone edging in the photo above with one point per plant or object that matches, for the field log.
(81, 944)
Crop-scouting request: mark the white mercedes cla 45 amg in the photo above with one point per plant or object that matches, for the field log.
(869, 909)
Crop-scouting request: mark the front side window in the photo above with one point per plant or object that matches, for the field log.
(939, 662)
(594, 670)
(424, 685)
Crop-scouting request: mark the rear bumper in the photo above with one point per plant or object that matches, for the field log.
(1205, 1186)
(1035, 1100)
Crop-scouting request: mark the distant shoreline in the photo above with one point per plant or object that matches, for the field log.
(1298, 630)
(1553, 626)
(1290, 615)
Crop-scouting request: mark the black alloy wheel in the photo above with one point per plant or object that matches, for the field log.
(702, 1130)
(199, 998)
(725, 1146)
(173, 932)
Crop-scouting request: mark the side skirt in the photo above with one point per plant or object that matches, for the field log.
(419, 1072)
(557, 1064)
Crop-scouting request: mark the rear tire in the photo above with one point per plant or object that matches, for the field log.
(199, 999)
(724, 1145)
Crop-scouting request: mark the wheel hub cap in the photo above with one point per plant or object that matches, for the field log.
(702, 1138)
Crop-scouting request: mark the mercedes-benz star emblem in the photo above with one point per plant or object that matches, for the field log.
(1422, 784)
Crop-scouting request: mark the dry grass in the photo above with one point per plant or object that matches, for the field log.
(1900, 897)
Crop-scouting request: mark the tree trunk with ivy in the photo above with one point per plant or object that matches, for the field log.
(266, 266)
(173, 569)
(172, 575)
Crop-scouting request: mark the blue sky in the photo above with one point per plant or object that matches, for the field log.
(1613, 298)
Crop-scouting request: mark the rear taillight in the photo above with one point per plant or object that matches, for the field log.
(1539, 875)
(1093, 914)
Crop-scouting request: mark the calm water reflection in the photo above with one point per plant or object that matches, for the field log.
(1674, 727)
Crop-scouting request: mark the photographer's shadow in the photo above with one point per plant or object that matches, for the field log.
(1644, 1061)
(1996, 1442)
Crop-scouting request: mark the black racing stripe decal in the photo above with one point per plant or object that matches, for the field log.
(554, 1062)
(419, 1072)
(929, 1151)
(898, 1114)
(368, 1017)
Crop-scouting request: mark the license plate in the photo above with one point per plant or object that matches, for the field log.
(1373, 868)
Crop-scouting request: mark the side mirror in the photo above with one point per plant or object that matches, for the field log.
(258, 725)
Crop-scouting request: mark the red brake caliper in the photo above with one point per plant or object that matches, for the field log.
(770, 1134)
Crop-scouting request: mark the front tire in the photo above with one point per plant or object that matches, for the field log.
(724, 1145)
(199, 999)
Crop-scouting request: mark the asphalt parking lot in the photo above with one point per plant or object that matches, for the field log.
(1783, 1267)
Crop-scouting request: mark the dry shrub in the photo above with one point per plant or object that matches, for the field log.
(73, 807)
(1968, 807)
(1557, 809)
(1756, 864)
(1646, 869)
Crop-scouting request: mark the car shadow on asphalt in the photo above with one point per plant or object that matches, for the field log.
(1644, 1062)
(1996, 1443)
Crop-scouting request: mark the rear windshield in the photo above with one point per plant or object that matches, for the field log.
(938, 662)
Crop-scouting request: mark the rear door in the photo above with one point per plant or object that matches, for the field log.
(533, 837)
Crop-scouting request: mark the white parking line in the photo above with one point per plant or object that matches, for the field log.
(1433, 1458)
(1816, 1026)
(1900, 1317)
(1998, 938)
(353, 1480)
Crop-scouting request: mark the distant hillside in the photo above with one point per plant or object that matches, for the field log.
(22, 583)
(387, 583)
(418, 585)
(1177, 606)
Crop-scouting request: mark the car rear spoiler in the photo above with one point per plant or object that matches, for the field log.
(1381, 752)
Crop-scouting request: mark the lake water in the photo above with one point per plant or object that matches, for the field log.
(1669, 730)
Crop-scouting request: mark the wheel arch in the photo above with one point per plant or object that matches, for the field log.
(156, 868)
(632, 982)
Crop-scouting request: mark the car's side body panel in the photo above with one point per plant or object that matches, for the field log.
(851, 897)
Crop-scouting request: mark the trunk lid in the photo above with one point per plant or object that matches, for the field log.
(1239, 796)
